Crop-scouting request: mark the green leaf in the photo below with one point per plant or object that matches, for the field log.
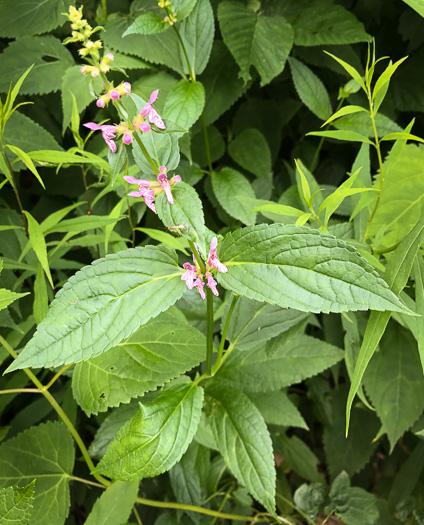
(186, 211)
(27, 18)
(117, 161)
(268, 368)
(26, 159)
(254, 323)
(383, 80)
(114, 506)
(8, 108)
(310, 89)
(197, 32)
(38, 244)
(300, 458)
(402, 135)
(184, 103)
(154, 440)
(277, 409)
(350, 136)
(397, 274)
(347, 110)
(258, 40)
(419, 305)
(394, 382)
(45, 453)
(417, 5)
(8, 297)
(280, 209)
(147, 24)
(16, 504)
(310, 498)
(222, 85)
(228, 185)
(244, 441)
(351, 70)
(159, 351)
(50, 58)
(168, 240)
(162, 147)
(325, 24)
(102, 304)
(408, 476)
(302, 269)
(41, 299)
(58, 157)
(183, 8)
(361, 123)
(79, 224)
(350, 453)
(251, 151)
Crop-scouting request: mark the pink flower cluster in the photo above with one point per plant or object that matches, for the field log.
(148, 189)
(114, 94)
(109, 133)
(194, 277)
(139, 122)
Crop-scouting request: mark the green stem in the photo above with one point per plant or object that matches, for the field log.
(197, 257)
(50, 383)
(207, 148)
(20, 390)
(209, 331)
(224, 335)
(290, 504)
(191, 72)
(104, 10)
(61, 414)
(137, 516)
(15, 189)
(149, 159)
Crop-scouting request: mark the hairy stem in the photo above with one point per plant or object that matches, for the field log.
(224, 335)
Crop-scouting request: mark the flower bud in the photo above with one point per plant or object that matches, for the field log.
(126, 88)
(127, 138)
(83, 70)
(109, 57)
(100, 102)
(95, 73)
(114, 94)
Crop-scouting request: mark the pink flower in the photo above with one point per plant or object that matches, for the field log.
(212, 283)
(109, 57)
(126, 88)
(114, 94)
(213, 261)
(199, 284)
(83, 70)
(108, 133)
(190, 275)
(127, 138)
(149, 111)
(100, 102)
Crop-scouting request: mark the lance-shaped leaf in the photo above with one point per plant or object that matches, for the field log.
(45, 453)
(114, 506)
(161, 350)
(244, 441)
(303, 269)
(16, 504)
(153, 440)
(102, 304)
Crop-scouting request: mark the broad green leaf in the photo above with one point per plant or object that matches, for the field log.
(362, 162)
(254, 323)
(117, 161)
(46, 75)
(161, 350)
(8, 297)
(26, 159)
(228, 185)
(153, 440)
(408, 475)
(251, 151)
(27, 18)
(168, 240)
(74, 82)
(38, 244)
(44, 453)
(419, 304)
(114, 506)
(222, 85)
(280, 209)
(79, 224)
(103, 304)
(394, 382)
(310, 498)
(268, 368)
(350, 136)
(184, 103)
(184, 8)
(361, 123)
(350, 453)
(255, 40)
(300, 458)
(302, 269)
(147, 24)
(277, 409)
(351, 70)
(186, 211)
(243, 440)
(397, 274)
(197, 32)
(162, 147)
(347, 110)
(323, 23)
(417, 5)
(16, 504)
(310, 89)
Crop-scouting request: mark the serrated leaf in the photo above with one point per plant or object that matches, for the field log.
(186, 211)
(258, 40)
(300, 458)
(310, 498)
(8, 297)
(102, 304)
(251, 151)
(159, 351)
(46, 75)
(38, 244)
(325, 24)
(114, 506)
(254, 323)
(264, 369)
(184, 103)
(277, 409)
(361, 123)
(244, 441)
(395, 383)
(162, 147)
(310, 89)
(147, 24)
(45, 453)
(16, 504)
(228, 185)
(350, 136)
(300, 268)
(153, 440)
(27, 18)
